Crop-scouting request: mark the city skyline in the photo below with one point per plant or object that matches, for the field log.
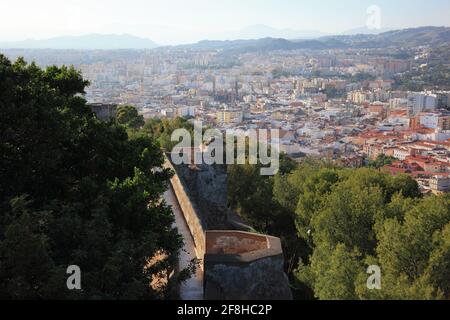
(178, 23)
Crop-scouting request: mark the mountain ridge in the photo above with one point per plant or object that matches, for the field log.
(432, 36)
(259, 31)
(93, 41)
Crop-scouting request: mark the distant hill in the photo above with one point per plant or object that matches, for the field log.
(261, 31)
(431, 36)
(416, 37)
(85, 42)
(365, 30)
(265, 44)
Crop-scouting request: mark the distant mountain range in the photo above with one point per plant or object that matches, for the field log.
(256, 38)
(260, 31)
(265, 44)
(432, 36)
(84, 42)
(365, 30)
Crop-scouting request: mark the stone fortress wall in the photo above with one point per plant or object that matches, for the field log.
(237, 265)
(190, 211)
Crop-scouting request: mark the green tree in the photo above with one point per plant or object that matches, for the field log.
(364, 217)
(381, 161)
(251, 195)
(77, 191)
(335, 272)
(345, 221)
(129, 116)
(161, 130)
(314, 191)
(288, 187)
(415, 248)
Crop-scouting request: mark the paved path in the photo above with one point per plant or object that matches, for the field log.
(193, 288)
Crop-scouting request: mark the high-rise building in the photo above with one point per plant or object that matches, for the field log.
(230, 116)
(419, 102)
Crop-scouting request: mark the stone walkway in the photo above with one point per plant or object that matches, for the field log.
(193, 288)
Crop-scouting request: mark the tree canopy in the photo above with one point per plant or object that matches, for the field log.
(161, 130)
(129, 116)
(77, 191)
(346, 220)
(381, 161)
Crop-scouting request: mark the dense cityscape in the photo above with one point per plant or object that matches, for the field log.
(348, 105)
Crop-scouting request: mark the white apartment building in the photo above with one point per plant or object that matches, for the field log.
(419, 102)
(440, 184)
(185, 112)
(401, 154)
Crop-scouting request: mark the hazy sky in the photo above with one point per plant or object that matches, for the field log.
(181, 21)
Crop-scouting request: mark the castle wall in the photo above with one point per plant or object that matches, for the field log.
(237, 265)
(189, 211)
